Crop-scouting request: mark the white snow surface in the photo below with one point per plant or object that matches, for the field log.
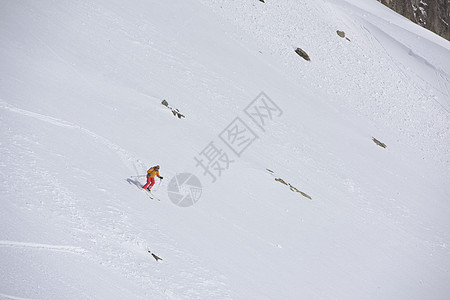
(81, 85)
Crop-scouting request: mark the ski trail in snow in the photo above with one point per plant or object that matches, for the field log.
(58, 248)
(441, 77)
(4, 296)
(60, 58)
(443, 81)
(124, 155)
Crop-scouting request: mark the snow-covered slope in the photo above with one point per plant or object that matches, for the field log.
(81, 85)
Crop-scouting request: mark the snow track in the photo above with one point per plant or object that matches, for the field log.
(57, 248)
(14, 297)
(125, 156)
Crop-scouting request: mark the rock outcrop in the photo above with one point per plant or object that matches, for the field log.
(431, 14)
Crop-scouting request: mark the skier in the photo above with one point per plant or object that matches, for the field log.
(151, 173)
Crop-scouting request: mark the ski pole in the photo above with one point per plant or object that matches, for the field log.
(158, 185)
(138, 176)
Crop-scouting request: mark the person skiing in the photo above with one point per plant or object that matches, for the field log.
(151, 173)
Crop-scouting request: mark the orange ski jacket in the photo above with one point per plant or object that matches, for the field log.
(152, 172)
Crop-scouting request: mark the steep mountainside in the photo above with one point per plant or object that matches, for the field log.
(320, 176)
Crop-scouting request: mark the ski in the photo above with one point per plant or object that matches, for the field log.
(140, 186)
(150, 194)
(147, 192)
(153, 196)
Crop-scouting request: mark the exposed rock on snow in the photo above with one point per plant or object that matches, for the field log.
(302, 53)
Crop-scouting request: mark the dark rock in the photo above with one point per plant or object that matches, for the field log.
(281, 180)
(378, 142)
(342, 35)
(291, 187)
(303, 54)
(156, 257)
(175, 112)
(294, 189)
